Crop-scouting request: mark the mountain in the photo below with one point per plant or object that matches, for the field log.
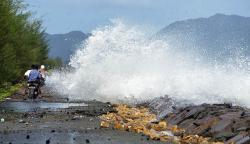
(64, 45)
(217, 37)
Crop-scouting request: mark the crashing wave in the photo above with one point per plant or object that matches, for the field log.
(122, 63)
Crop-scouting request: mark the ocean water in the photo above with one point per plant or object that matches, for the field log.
(123, 63)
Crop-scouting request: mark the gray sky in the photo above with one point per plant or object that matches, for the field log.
(62, 16)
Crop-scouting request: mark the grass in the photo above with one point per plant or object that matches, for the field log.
(9, 90)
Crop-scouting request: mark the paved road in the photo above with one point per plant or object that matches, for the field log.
(51, 119)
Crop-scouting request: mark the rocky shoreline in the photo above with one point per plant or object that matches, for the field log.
(221, 122)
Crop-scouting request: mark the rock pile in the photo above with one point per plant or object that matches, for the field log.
(221, 122)
(140, 120)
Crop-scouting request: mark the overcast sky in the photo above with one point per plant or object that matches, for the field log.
(62, 16)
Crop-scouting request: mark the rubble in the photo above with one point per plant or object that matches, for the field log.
(141, 120)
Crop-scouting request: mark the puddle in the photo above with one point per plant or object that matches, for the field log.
(34, 106)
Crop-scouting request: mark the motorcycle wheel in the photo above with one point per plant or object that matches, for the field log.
(30, 93)
(35, 94)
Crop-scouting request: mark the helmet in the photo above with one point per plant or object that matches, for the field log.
(42, 67)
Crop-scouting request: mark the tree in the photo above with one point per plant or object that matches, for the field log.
(22, 41)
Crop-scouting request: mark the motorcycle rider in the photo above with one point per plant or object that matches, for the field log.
(33, 76)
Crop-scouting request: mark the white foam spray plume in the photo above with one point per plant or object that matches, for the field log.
(120, 63)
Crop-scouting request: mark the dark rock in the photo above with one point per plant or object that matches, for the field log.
(48, 141)
(28, 137)
(52, 131)
(205, 126)
(87, 141)
(243, 114)
(186, 114)
(25, 115)
(222, 125)
(196, 124)
(245, 140)
(188, 124)
(224, 136)
(238, 138)
(41, 115)
(221, 122)
(226, 105)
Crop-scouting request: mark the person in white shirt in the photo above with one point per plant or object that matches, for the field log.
(27, 73)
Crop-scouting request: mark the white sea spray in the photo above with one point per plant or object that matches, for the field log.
(121, 63)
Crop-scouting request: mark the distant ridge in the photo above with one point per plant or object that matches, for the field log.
(64, 45)
(217, 36)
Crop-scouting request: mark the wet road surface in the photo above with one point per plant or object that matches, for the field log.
(55, 120)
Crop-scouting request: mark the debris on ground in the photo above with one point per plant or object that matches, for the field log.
(140, 120)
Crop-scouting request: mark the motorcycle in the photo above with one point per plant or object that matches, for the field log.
(33, 90)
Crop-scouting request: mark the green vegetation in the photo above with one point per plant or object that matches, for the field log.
(21, 40)
(54, 63)
(9, 90)
(22, 43)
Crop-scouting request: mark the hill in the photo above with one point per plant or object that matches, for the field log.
(64, 45)
(219, 36)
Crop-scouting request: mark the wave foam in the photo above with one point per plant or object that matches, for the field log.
(120, 63)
